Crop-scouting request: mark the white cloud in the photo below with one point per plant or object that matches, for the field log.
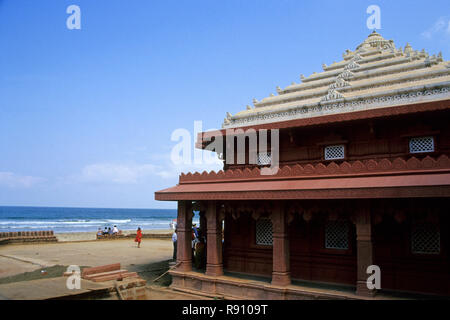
(12, 180)
(442, 25)
(117, 173)
(120, 173)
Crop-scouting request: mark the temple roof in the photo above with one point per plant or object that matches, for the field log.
(375, 75)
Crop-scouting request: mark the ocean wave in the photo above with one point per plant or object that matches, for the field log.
(118, 221)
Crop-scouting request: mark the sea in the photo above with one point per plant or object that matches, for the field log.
(66, 220)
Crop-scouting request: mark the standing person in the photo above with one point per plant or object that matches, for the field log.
(115, 230)
(173, 224)
(174, 240)
(138, 237)
(195, 229)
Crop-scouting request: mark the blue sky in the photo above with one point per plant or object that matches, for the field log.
(86, 116)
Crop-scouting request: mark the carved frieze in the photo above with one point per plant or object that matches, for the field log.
(324, 169)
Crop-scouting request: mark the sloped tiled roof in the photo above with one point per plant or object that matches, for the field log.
(375, 75)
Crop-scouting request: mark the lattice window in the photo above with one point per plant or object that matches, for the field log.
(264, 158)
(336, 235)
(425, 238)
(422, 144)
(334, 152)
(264, 232)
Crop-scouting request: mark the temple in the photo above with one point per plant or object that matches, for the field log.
(363, 180)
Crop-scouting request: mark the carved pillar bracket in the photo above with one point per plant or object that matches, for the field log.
(214, 265)
(364, 255)
(184, 234)
(281, 275)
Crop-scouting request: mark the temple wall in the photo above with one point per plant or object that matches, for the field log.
(381, 138)
(311, 261)
(241, 254)
(401, 269)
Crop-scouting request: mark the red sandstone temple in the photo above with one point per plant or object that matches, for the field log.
(363, 179)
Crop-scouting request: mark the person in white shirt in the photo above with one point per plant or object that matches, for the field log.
(174, 240)
(115, 230)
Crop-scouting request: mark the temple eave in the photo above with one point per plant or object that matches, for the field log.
(399, 186)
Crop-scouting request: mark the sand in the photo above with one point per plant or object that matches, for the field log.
(21, 264)
(89, 236)
(81, 249)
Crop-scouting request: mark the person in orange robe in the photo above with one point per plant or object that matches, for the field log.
(138, 237)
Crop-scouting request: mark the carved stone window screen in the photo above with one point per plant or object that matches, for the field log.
(334, 152)
(422, 144)
(336, 235)
(264, 232)
(425, 238)
(264, 158)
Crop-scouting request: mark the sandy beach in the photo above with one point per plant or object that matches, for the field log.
(77, 249)
(23, 263)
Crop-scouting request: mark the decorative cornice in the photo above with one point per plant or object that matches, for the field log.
(383, 166)
(348, 105)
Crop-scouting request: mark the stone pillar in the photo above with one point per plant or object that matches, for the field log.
(184, 236)
(214, 265)
(364, 254)
(281, 275)
(202, 221)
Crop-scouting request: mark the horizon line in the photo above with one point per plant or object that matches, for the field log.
(75, 207)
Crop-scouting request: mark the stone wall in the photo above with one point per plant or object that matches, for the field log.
(27, 236)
